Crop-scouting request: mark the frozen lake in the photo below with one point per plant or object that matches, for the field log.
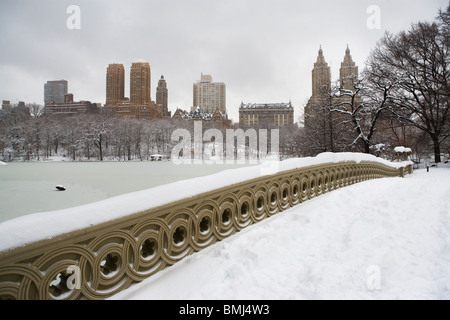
(29, 187)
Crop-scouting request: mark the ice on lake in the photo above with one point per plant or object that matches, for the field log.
(30, 187)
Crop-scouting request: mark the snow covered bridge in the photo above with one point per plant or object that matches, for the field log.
(95, 251)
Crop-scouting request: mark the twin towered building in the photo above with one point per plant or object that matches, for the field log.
(282, 114)
(139, 105)
(321, 85)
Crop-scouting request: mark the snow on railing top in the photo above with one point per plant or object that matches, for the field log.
(402, 149)
(46, 225)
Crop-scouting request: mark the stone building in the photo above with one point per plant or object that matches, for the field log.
(115, 84)
(140, 83)
(329, 128)
(209, 95)
(266, 115)
(70, 107)
(6, 105)
(321, 84)
(348, 72)
(162, 96)
(139, 105)
(55, 90)
(216, 118)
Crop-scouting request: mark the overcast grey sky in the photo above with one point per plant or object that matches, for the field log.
(264, 50)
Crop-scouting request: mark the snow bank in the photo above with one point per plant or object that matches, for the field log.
(3, 164)
(385, 239)
(45, 225)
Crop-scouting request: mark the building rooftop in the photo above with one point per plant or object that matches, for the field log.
(281, 105)
(199, 114)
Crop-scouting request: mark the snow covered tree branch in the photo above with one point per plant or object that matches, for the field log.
(417, 65)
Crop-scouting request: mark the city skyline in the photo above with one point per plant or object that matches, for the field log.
(262, 50)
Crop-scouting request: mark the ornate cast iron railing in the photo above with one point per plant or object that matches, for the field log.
(100, 261)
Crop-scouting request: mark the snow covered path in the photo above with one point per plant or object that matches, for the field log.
(379, 239)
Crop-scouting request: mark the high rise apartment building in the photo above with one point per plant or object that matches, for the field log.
(162, 96)
(348, 72)
(321, 83)
(209, 95)
(115, 84)
(140, 80)
(139, 105)
(325, 127)
(54, 91)
(321, 76)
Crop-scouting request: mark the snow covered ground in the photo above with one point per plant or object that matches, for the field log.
(379, 239)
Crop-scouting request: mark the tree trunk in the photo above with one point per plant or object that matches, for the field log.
(437, 149)
(100, 147)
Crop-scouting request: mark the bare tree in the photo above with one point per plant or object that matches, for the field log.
(417, 64)
(72, 136)
(36, 110)
(360, 107)
(101, 130)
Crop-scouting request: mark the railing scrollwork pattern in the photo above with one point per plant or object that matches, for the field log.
(98, 262)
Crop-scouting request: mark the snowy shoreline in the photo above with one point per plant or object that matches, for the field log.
(80, 160)
(46, 225)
